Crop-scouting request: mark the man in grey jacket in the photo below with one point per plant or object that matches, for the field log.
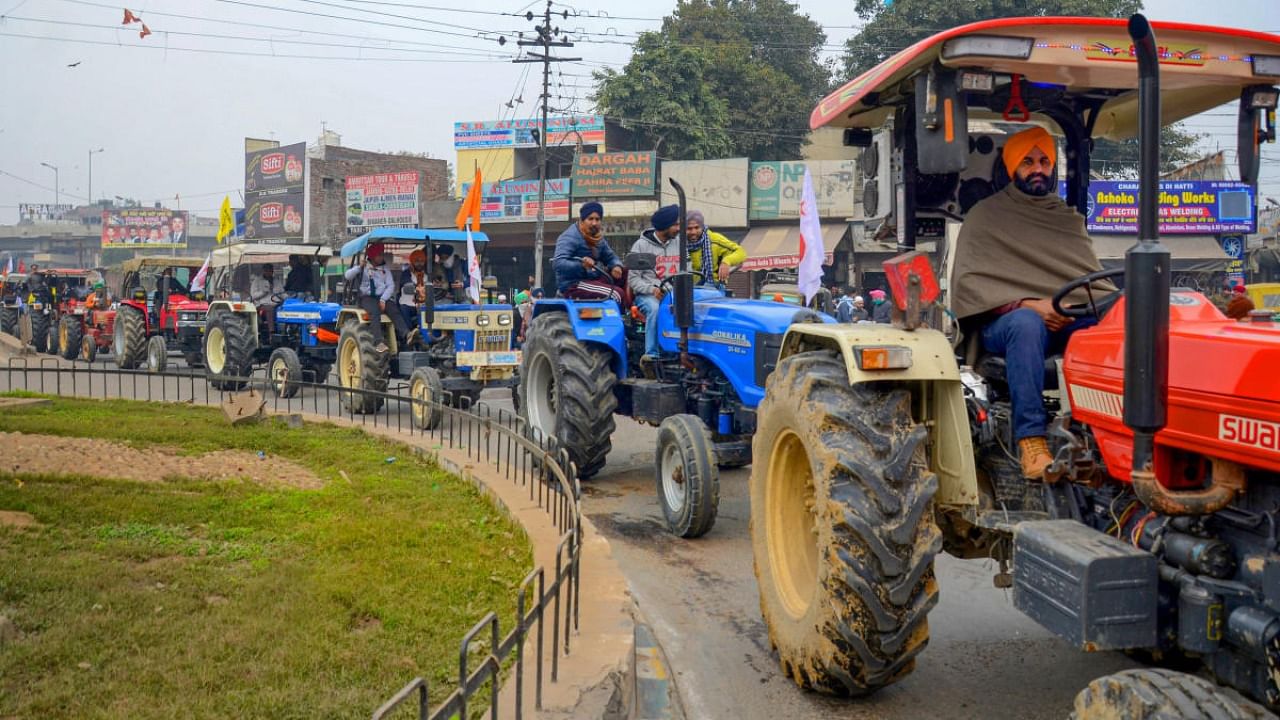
(646, 285)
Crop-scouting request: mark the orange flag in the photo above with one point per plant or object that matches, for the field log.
(471, 206)
(144, 32)
(130, 17)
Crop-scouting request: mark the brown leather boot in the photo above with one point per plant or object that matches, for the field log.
(1035, 457)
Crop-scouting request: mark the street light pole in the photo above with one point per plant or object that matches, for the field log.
(91, 152)
(57, 199)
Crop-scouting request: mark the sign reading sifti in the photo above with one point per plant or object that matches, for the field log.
(275, 193)
(1187, 207)
(616, 174)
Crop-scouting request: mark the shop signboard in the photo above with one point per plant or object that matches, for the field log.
(776, 188)
(1187, 207)
(615, 174)
(382, 200)
(517, 200)
(521, 133)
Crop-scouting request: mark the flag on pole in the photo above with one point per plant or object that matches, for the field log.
(473, 269)
(226, 220)
(470, 209)
(812, 251)
(197, 282)
(8, 268)
(22, 266)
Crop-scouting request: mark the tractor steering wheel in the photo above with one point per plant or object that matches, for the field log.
(278, 299)
(1087, 281)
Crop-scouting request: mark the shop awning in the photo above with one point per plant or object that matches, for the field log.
(1188, 253)
(778, 246)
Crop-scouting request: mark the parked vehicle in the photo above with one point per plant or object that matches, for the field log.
(13, 289)
(1154, 531)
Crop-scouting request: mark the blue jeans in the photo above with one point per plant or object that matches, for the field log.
(1023, 340)
(648, 304)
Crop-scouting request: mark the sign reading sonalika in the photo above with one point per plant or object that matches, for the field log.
(1187, 207)
(615, 174)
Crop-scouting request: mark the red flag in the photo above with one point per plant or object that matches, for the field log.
(145, 31)
(22, 266)
(130, 17)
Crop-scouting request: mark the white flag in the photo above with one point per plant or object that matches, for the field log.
(812, 251)
(9, 268)
(473, 268)
(197, 283)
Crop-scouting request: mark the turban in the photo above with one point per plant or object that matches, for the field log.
(591, 207)
(1017, 147)
(666, 217)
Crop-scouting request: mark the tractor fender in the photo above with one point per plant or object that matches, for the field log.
(236, 307)
(934, 374)
(606, 330)
(140, 307)
(360, 317)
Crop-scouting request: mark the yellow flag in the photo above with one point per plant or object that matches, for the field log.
(226, 220)
(471, 205)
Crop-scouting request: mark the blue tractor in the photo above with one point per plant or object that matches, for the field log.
(294, 333)
(454, 348)
(581, 366)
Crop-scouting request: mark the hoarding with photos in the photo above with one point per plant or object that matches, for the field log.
(151, 228)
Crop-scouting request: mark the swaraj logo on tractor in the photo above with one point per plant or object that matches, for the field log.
(1250, 432)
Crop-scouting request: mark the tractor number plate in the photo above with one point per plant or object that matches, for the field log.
(473, 359)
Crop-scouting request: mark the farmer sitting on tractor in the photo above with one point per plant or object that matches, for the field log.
(413, 286)
(376, 288)
(703, 242)
(301, 282)
(579, 251)
(646, 285)
(1015, 249)
(264, 291)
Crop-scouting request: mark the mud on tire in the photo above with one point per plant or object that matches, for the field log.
(1158, 694)
(842, 528)
(574, 400)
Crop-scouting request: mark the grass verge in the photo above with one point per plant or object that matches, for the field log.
(185, 598)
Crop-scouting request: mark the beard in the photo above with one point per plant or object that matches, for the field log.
(1036, 184)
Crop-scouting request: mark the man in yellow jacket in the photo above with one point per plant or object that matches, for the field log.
(725, 253)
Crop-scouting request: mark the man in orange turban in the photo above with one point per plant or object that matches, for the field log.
(1015, 249)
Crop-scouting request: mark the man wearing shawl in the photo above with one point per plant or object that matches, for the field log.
(1016, 248)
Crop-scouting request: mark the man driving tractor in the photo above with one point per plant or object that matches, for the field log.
(580, 250)
(1015, 249)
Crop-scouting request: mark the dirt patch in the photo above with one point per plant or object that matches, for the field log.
(15, 519)
(53, 455)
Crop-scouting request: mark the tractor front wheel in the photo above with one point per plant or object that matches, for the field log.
(687, 476)
(40, 331)
(70, 332)
(842, 528)
(129, 342)
(9, 320)
(362, 370)
(566, 391)
(157, 354)
(427, 392)
(284, 369)
(1158, 694)
(88, 349)
(228, 351)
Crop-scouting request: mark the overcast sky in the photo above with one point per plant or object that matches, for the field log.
(171, 111)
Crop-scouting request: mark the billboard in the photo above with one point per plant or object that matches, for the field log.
(567, 130)
(1234, 247)
(149, 228)
(1187, 207)
(517, 200)
(42, 212)
(716, 187)
(776, 188)
(383, 200)
(275, 193)
(616, 174)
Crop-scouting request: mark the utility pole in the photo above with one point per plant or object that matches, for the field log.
(546, 40)
(91, 153)
(57, 195)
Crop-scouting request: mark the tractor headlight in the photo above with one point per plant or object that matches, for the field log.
(882, 357)
(504, 319)
(482, 320)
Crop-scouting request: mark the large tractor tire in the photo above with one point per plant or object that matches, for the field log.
(284, 370)
(40, 331)
(1157, 694)
(361, 367)
(129, 343)
(842, 528)
(70, 332)
(687, 477)
(228, 351)
(566, 391)
(9, 320)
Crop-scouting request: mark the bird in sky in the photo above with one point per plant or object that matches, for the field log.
(74, 64)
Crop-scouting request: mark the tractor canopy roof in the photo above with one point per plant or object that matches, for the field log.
(409, 236)
(1081, 59)
(161, 261)
(13, 277)
(264, 253)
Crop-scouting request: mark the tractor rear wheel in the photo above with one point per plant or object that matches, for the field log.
(361, 367)
(427, 392)
(129, 343)
(70, 331)
(284, 370)
(1157, 694)
(566, 391)
(40, 331)
(687, 477)
(228, 351)
(157, 354)
(9, 320)
(842, 529)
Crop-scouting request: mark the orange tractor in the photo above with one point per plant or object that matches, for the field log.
(1156, 529)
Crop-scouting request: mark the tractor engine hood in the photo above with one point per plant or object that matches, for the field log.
(712, 310)
(310, 312)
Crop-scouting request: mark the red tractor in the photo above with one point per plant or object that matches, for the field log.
(1156, 529)
(157, 313)
(86, 324)
(65, 290)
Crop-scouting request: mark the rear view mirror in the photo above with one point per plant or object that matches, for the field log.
(942, 123)
(1256, 123)
(640, 262)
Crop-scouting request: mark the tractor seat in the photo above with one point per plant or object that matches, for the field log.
(992, 368)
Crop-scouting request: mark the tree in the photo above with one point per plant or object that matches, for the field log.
(751, 70)
(1120, 159)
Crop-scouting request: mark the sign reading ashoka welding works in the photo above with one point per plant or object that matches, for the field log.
(615, 174)
(1187, 207)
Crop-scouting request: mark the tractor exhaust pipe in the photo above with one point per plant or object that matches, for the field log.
(682, 284)
(1146, 319)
